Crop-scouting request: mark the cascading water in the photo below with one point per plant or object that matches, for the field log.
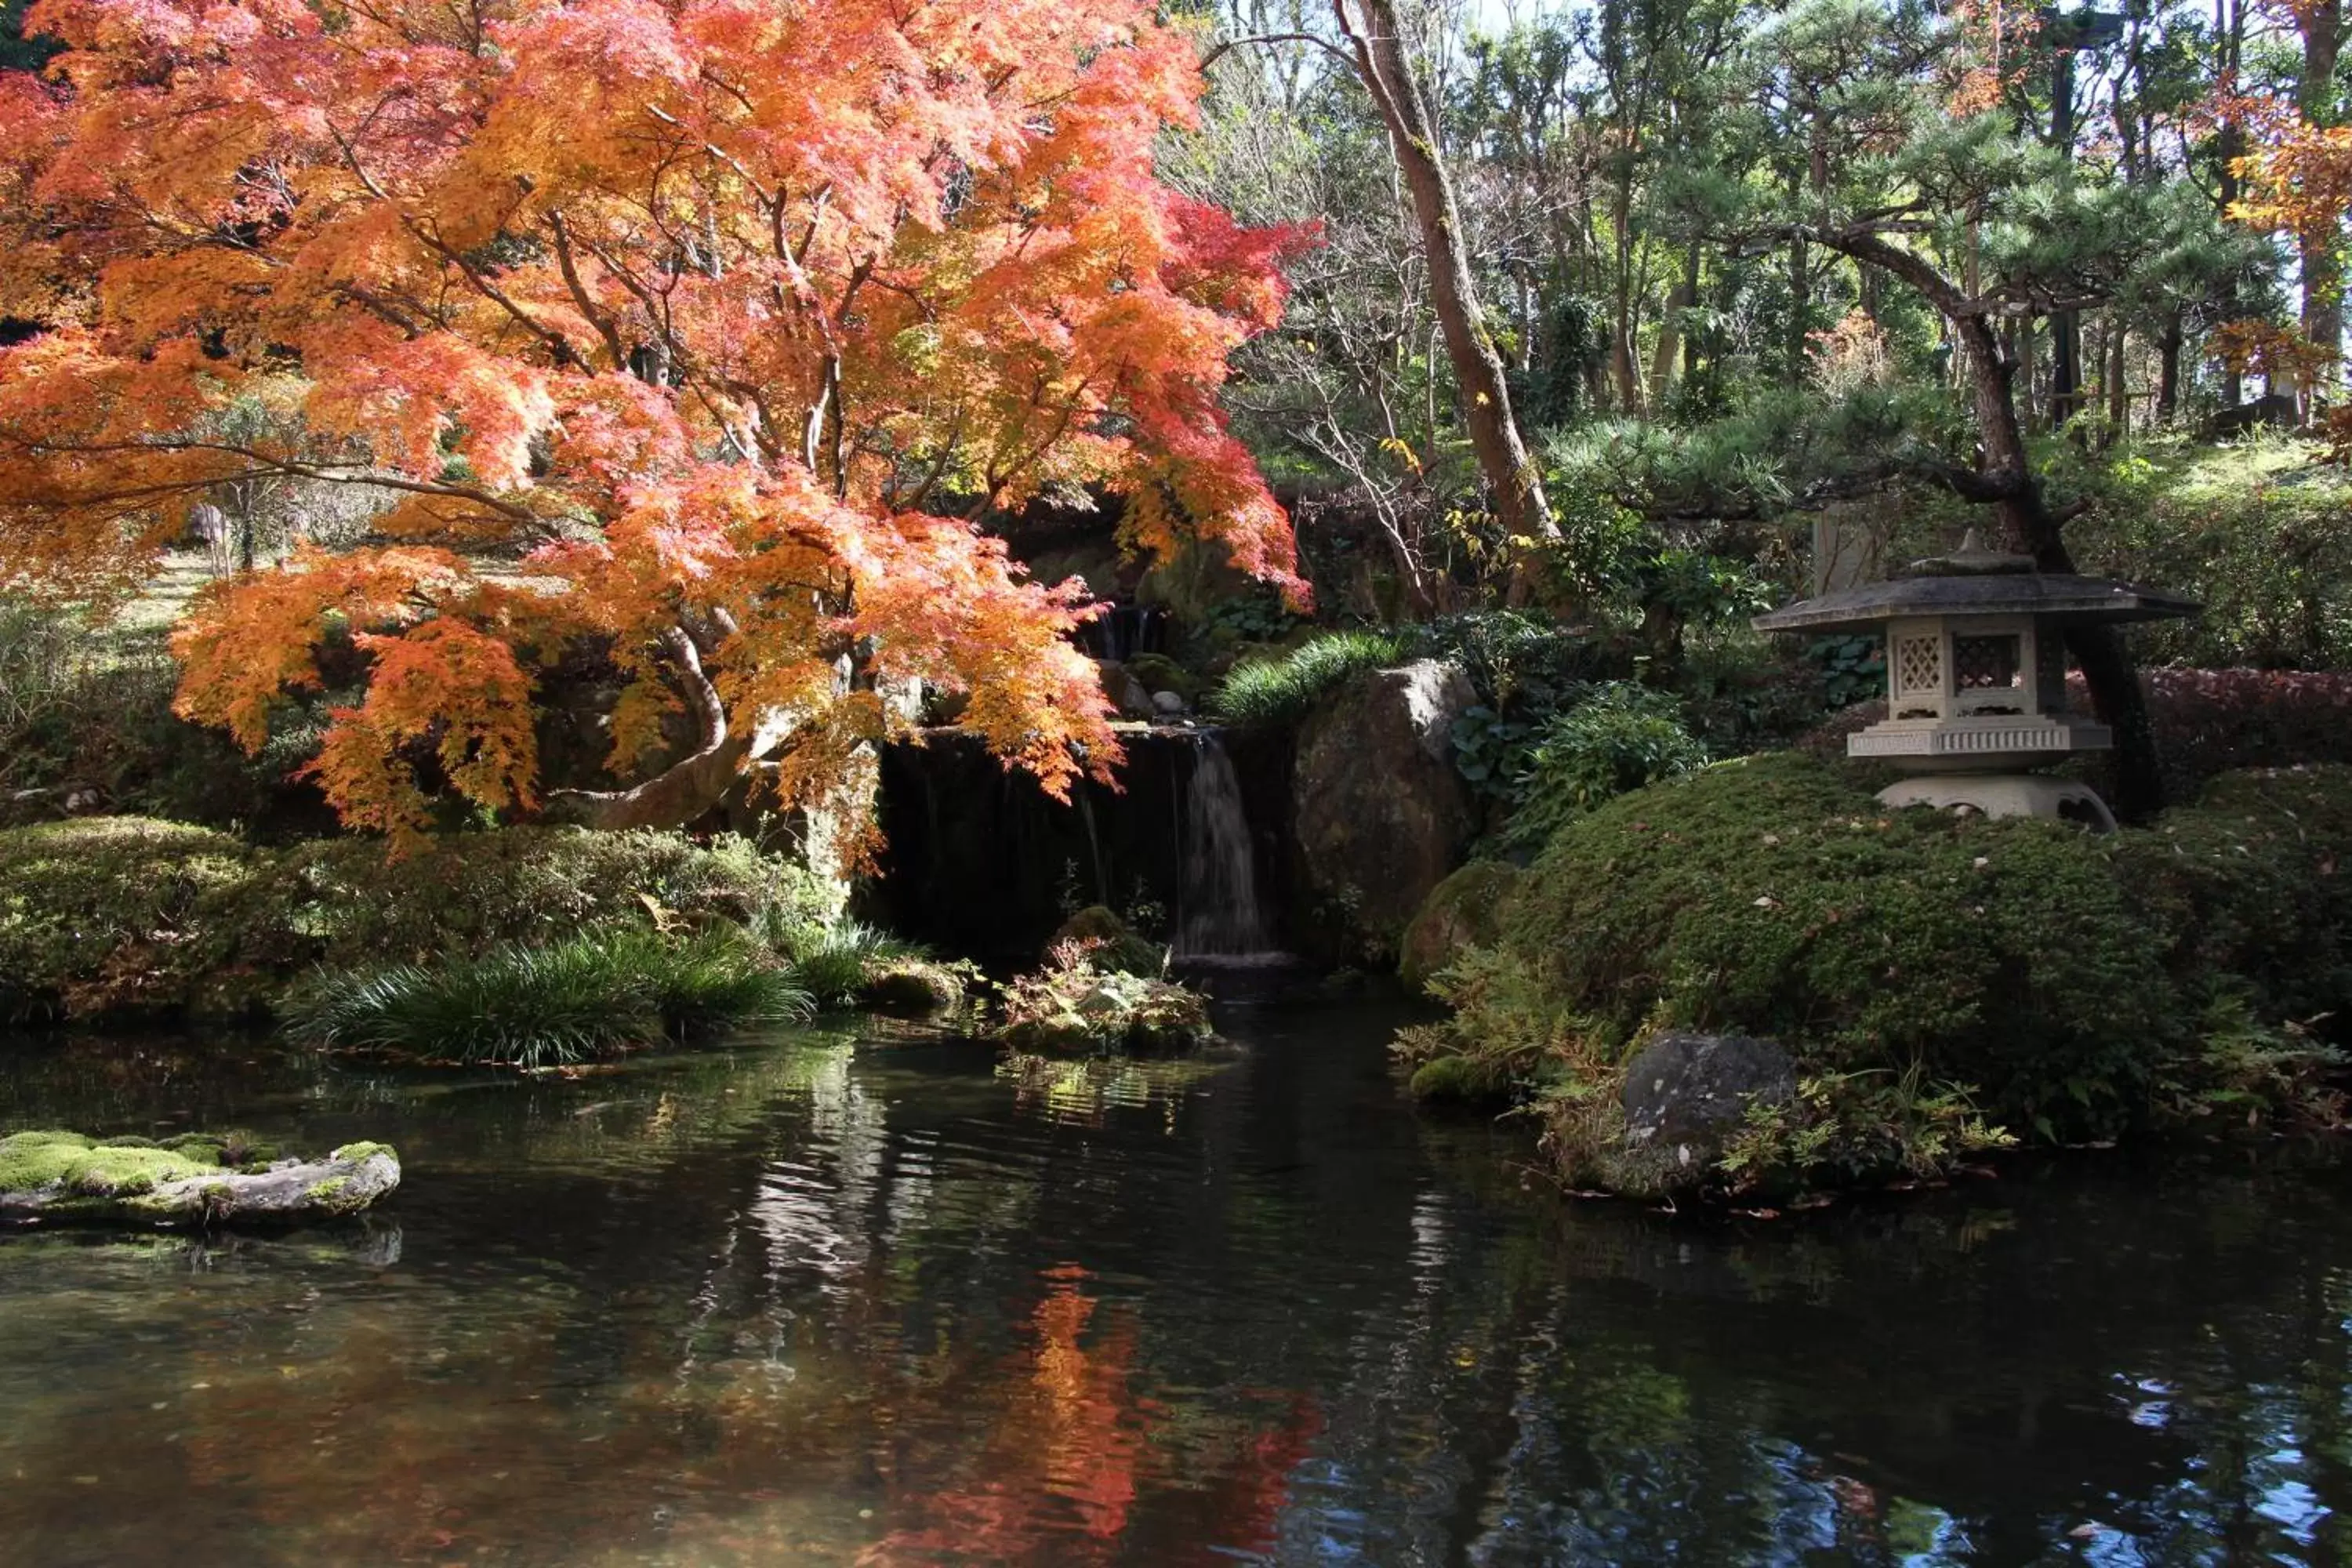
(1218, 916)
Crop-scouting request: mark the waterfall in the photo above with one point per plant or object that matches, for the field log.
(1217, 913)
(1122, 631)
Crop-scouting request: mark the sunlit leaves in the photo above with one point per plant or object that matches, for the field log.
(721, 317)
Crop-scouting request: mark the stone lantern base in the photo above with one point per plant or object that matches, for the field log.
(2006, 795)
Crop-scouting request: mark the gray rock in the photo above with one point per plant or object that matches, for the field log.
(1685, 1094)
(1379, 813)
(1129, 695)
(1168, 703)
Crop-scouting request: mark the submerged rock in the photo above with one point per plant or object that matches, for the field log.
(1685, 1094)
(194, 1180)
(1379, 814)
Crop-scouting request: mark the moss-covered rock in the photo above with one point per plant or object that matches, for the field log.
(2065, 979)
(1459, 1080)
(1110, 943)
(1074, 1004)
(1464, 910)
(126, 917)
(196, 1180)
(912, 987)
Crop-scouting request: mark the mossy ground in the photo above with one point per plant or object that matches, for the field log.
(2067, 981)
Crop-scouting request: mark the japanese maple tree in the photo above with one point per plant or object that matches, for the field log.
(707, 331)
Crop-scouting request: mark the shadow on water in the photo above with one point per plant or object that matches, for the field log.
(802, 1301)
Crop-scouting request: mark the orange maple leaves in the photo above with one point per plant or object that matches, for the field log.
(727, 316)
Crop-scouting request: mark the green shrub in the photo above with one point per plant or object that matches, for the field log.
(128, 916)
(1622, 737)
(117, 916)
(1922, 967)
(587, 997)
(465, 892)
(1283, 688)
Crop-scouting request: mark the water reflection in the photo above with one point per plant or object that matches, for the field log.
(823, 1300)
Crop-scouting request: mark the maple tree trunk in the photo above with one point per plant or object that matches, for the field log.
(686, 790)
(1518, 497)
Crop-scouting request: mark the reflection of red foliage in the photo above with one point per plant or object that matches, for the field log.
(1075, 1454)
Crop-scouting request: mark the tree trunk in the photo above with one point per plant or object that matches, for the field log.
(1662, 360)
(2118, 368)
(2030, 528)
(2167, 372)
(1518, 497)
(2228, 146)
(686, 789)
(2320, 250)
(2004, 479)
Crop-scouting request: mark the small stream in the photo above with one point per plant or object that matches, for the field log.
(815, 1300)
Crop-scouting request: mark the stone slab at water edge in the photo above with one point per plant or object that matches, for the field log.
(192, 1180)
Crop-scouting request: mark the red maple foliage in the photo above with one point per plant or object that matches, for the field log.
(703, 329)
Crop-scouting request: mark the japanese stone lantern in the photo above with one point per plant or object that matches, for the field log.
(1976, 678)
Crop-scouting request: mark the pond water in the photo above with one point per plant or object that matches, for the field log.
(810, 1301)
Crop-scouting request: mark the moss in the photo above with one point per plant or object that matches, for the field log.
(335, 1195)
(1462, 910)
(913, 987)
(1459, 1080)
(2061, 978)
(77, 1167)
(355, 1153)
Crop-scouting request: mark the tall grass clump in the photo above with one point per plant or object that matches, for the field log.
(833, 961)
(1283, 689)
(590, 995)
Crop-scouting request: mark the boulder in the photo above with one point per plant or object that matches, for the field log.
(1460, 911)
(189, 1181)
(1110, 943)
(1378, 815)
(1685, 1094)
(1168, 704)
(1129, 695)
(912, 988)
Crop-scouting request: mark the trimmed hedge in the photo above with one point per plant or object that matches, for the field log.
(2067, 979)
(130, 916)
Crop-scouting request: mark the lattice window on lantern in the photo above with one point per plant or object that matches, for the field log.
(1986, 663)
(1919, 665)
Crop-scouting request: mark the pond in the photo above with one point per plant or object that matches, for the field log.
(813, 1299)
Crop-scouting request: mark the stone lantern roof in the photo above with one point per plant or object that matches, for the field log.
(1974, 581)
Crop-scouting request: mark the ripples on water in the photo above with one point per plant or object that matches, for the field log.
(806, 1301)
